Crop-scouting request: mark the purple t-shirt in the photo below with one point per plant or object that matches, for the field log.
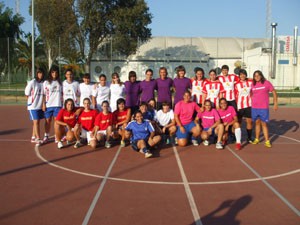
(260, 94)
(147, 88)
(132, 91)
(227, 115)
(208, 118)
(181, 85)
(164, 89)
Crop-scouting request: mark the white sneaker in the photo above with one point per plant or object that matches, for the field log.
(38, 142)
(46, 139)
(195, 142)
(32, 140)
(206, 143)
(107, 144)
(77, 144)
(219, 145)
(148, 154)
(60, 145)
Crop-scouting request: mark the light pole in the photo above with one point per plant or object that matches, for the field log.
(273, 53)
(32, 39)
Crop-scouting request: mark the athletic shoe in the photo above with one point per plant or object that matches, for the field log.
(63, 139)
(77, 144)
(219, 145)
(206, 143)
(107, 144)
(176, 141)
(268, 144)
(250, 140)
(195, 142)
(45, 139)
(148, 154)
(38, 142)
(238, 146)
(167, 141)
(60, 145)
(32, 140)
(255, 142)
(122, 144)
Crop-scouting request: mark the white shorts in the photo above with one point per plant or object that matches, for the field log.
(86, 134)
(101, 132)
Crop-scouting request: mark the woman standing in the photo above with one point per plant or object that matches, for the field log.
(260, 105)
(85, 88)
(132, 91)
(52, 101)
(148, 86)
(198, 83)
(117, 91)
(181, 84)
(71, 88)
(100, 93)
(164, 87)
(34, 93)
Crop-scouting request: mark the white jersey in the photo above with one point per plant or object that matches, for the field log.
(34, 92)
(116, 91)
(85, 92)
(53, 93)
(164, 118)
(101, 93)
(71, 90)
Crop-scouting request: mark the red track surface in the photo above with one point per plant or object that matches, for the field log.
(118, 186)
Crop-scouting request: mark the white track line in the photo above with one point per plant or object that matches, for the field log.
(187, 188)
(165, 182)
(293, 208)
(100, 189)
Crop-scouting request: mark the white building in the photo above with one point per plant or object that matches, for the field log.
(208, 53)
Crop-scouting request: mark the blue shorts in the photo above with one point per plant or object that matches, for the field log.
(262, 114)
(134, 144)
(52, 111)
(212, 132)
(36, 114)
(188, 127)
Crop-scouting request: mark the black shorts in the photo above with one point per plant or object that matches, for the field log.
(233, 104)
(167, 130)
(246, 112)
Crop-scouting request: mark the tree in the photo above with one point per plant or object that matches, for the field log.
(9, 28)
(24, 54)
(57, 25)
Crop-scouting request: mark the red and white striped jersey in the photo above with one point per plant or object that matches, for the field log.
(213, 90)
(197, 87)
(228, 84)
(242, 90)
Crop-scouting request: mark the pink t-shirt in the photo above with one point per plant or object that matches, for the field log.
(185, 111)
(260, 94)
(227, 115)
(208, 118)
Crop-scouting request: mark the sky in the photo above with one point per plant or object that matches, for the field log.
(211, 18)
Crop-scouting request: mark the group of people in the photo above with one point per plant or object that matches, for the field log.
(210, 109)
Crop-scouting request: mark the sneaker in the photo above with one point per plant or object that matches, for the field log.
(195, 142)
(167, 141)
(238, 146)
(219, 145)
(32, 140)
(148, 154)
(77, 144)
(268, 144)
(107, 144)
(250, 140)
(255, 142)
(60, 145)
(45, 139)
(63, 139)
(38, 142)
(122, 144)
(205, 143)
(176, 141)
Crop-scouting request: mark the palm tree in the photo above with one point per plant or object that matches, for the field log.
(24, 54)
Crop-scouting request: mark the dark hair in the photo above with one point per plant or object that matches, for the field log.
(144, 103)
(243, 72)
(87, 99)
(180, 68)
(131, 74)
(222, 99)
(39, 70)
(163, 68)
(165, 104)
(225, 67)
(197, 69)
(206, 101)
(212, 70)
(69, 100)
(52, 69)
(102, 75)
(69, 70)
(86, 75)
(120, 101)
(136, 112)
(149, 70)
(187, 92)
(261, 75)
(152, 99)
(105, 102)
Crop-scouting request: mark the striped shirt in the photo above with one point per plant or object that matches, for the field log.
(228, 84)
(213, 89)
(243, 89)
(197, 87)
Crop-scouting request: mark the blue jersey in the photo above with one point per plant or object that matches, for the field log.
(140, 130)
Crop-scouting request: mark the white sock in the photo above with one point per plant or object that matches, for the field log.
(238, 135)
